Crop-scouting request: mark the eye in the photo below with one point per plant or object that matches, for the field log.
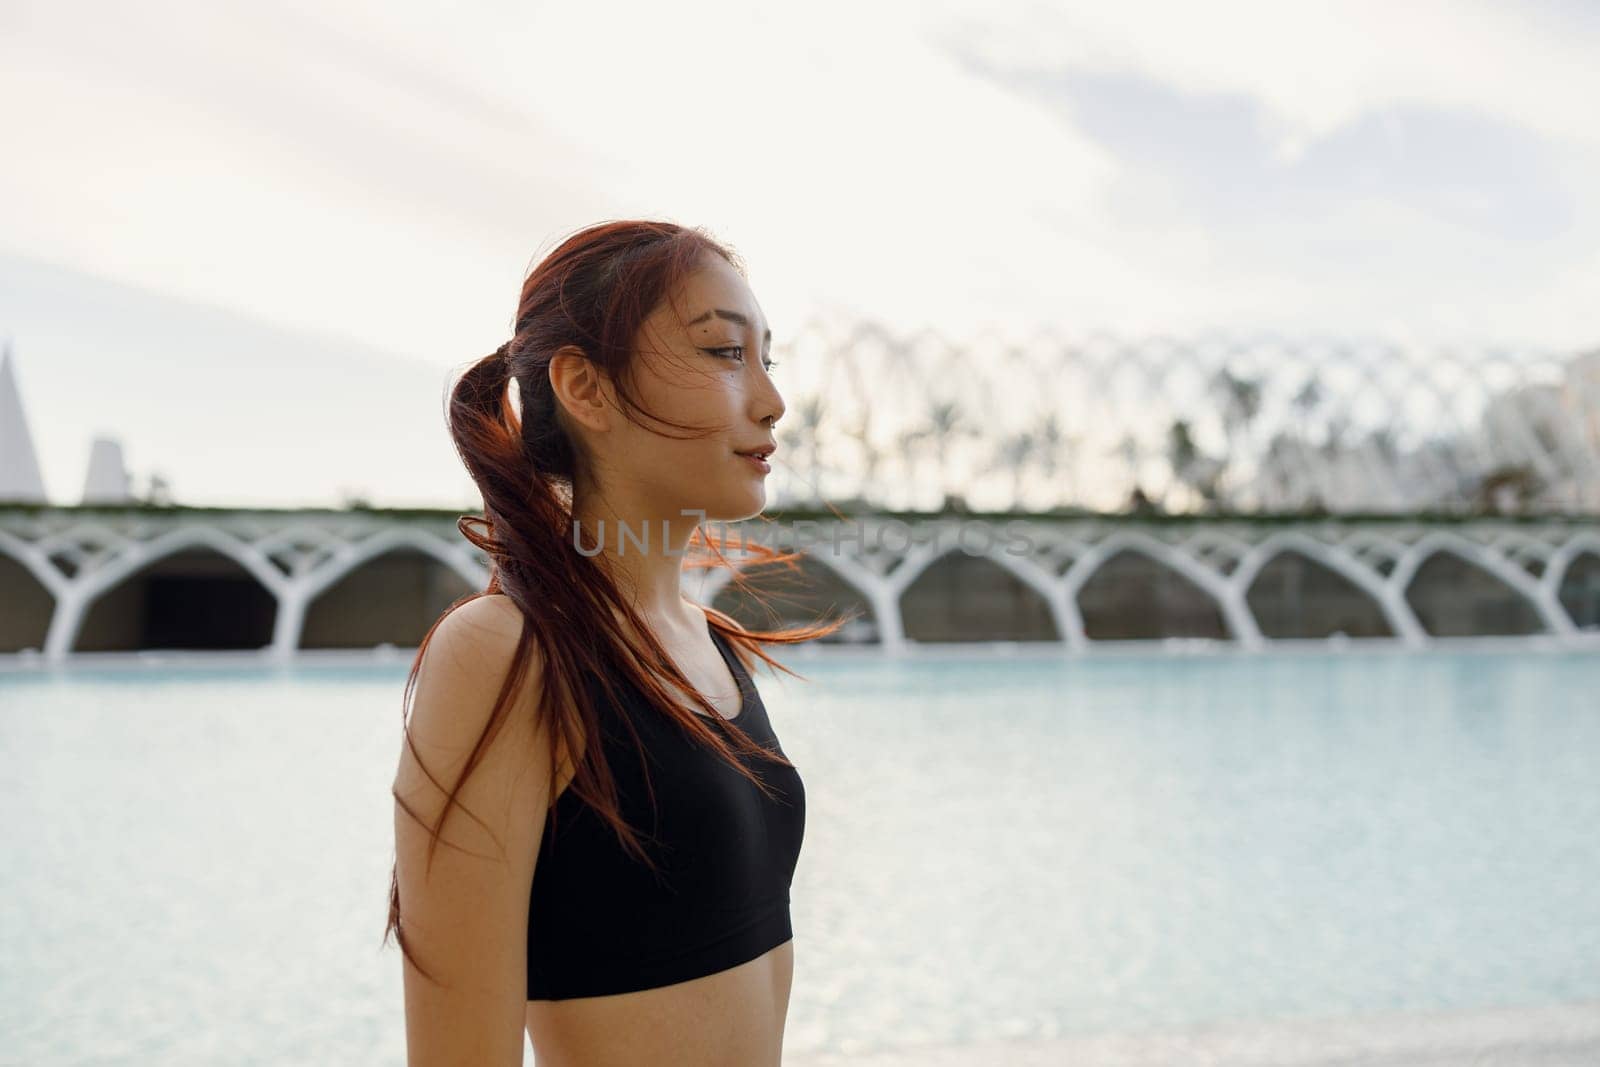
(769, 364)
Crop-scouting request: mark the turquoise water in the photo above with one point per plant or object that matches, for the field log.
(197, 858)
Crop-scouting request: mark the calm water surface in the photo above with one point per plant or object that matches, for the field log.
(197, 858)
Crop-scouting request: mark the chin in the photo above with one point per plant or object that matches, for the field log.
(740, 506)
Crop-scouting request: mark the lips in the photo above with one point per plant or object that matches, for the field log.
(762, 452)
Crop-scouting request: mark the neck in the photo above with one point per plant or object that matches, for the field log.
(643, 552)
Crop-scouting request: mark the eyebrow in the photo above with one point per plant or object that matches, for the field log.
(731, 316)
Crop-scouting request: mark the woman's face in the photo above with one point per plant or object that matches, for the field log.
(701, 361)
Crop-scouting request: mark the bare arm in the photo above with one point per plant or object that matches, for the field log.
(466, 916)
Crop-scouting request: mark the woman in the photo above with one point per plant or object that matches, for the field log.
(624, 902)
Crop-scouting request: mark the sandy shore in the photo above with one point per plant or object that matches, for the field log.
(1565, 1035)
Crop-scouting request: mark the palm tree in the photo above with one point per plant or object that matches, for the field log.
(807, 430)
(1306, 401)
(1282, 453)
(1338, 426)
(1190, 466)
(1383, 458)
(158, 491)
(1053, 449)
(1309, 397)
(1241, 401)
(859, 431)
(910, 445)
(946, 423)
(1128, 450)
(1014, 453)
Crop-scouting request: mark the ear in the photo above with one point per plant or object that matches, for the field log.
(581, 388)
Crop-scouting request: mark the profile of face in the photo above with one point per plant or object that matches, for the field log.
(702, 361)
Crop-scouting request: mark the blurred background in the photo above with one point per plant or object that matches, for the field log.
(1271, 327)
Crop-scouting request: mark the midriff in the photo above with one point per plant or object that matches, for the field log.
(733, 1018)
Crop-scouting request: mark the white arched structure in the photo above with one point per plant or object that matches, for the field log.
(345, 558)
(80, 554)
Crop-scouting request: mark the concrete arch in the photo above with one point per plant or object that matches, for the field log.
(1279, 602)
(29, 605)
(922, 556)
(36, 562)
(81, 595)
(1004, 618)
(1336, 559)
(189, 597)
(1579, 563)
(1049, 549)
(347, 559)
(293, 535)
(1515, 547)
(1439, 622)
(351, 556)
(1053, 546)
(141, 555)
(1151, 601)
(1194, 546)
(1236, 620)
(1355, 545)
(858, 578)
(392, 597)
(720, 591)
(1562, 558)
(83, 530)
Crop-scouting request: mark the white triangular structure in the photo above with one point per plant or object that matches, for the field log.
(107, 480)
(20, 479)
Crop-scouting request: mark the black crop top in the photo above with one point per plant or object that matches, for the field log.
(600, 922)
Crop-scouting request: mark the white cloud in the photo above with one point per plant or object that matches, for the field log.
(1315, 67)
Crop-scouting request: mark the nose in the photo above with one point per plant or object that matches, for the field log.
(768, 402)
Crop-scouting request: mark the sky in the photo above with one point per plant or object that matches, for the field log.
(252, 242)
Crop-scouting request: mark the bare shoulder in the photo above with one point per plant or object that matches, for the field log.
(486, 626)
(458, 682)
(464, 906)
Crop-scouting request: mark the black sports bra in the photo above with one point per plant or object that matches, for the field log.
(600, 922)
